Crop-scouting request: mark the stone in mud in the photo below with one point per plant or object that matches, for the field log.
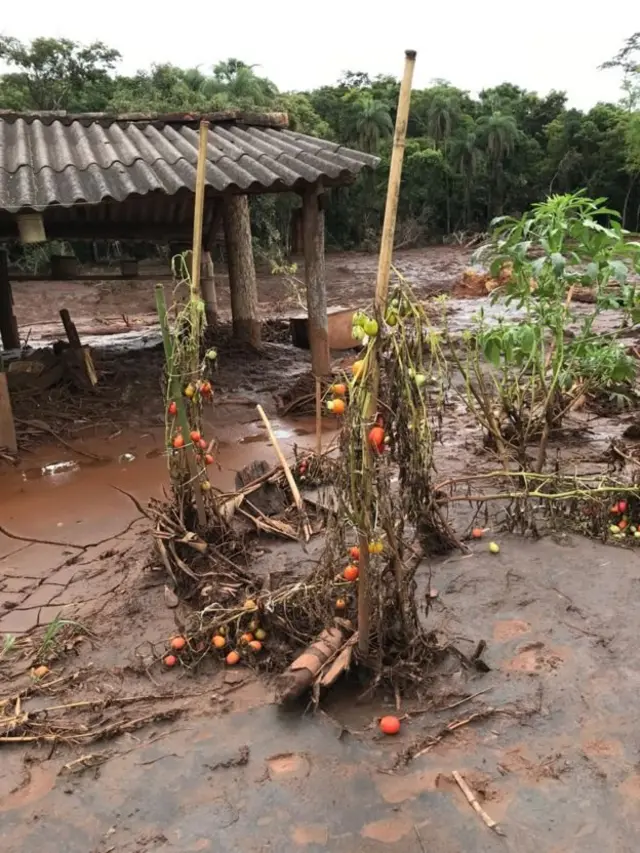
(269, 498)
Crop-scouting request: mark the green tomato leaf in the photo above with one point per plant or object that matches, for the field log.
(491, 349)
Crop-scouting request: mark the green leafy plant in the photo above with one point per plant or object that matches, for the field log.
(526, 371)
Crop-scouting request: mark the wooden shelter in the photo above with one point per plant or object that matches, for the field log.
(95, 176)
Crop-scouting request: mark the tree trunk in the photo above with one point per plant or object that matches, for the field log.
(242, 271)
(8, 322)
(313, 236)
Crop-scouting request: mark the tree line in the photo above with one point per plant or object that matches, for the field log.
(468, 159)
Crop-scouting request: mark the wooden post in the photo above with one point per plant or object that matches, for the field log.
(7, 425)
(8, 323)
(82, 354)
(242, 271)
(198, 212)
(382, 290)
(313, 237)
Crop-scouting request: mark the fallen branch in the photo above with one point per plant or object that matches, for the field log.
(475, 805)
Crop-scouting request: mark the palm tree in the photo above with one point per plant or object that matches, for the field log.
(369, 120)
(239, 84)
(499, 134)
(443, 113)
(466, 154)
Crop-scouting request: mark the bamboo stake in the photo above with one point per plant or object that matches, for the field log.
(287, 472)
(318, 417)
(196, 256)
(393, 187)
(382, 290)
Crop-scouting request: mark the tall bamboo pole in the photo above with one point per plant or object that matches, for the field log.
(382, 290)
(196, 256)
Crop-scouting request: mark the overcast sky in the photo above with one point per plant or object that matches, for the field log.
(539, 45)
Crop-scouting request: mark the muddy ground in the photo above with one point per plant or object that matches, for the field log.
(211, 763)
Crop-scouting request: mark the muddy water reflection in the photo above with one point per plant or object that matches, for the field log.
(54, 488)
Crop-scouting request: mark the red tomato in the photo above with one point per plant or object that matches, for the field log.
(195, 436)
(390, 725)
(208, 459)
(351, 573)
(178, 442)
(173, 408)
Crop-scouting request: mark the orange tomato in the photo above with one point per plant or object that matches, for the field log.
(622, 523)
(376, 437)
(255, 646)
(178, 442)
(338, 407)
(178, 643)
(170, 660)
(351, 573)
(341, 604)
(477, 532)
(339, 389)
(354, 552)
(208, 459)
(357, 368)
(218, 642)
(246, 638)
(390, 725)
(232, 658)
(194, 435)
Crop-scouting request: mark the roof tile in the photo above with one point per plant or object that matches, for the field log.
(51, 161)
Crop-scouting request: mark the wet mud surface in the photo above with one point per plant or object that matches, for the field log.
(553, 757)
(555, 764)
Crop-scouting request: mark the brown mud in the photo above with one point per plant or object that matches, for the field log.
(552, 756)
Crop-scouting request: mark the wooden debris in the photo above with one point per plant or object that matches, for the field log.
(287, 471)
(475, 805)
(7, 427)
(304, 670)
(82, 354)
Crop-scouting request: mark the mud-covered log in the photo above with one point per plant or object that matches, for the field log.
(304, 670)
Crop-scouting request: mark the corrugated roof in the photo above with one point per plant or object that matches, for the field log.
(68, 160)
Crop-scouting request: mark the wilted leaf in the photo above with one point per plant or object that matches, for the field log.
(171, 600)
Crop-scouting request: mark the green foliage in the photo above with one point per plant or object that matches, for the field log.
(468, 159)
(537, 370)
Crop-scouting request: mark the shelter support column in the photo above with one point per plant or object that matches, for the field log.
(314, 274)
(242, 271)
(8, 322)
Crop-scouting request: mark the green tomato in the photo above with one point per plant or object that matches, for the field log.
(613, 528)
(371, 328)
(420, 379)
(357, 333)
(391, 317)
(359, 319)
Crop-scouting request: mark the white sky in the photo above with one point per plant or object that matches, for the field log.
(539, 45)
